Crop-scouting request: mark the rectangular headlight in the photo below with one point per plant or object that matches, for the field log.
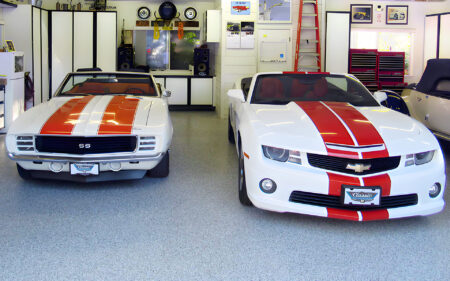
(281, 154)
(423, 157)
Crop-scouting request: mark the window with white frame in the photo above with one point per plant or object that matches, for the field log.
(385, 41)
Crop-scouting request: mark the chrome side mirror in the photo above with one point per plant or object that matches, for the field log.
(166, 93)
(380, 96)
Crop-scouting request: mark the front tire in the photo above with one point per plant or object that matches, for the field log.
(243, 196)
(162, 169)
(23, 173)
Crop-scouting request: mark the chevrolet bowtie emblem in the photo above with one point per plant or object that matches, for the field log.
(358, 168)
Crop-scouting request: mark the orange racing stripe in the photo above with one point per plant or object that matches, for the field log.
(66, 117)
(118, 117)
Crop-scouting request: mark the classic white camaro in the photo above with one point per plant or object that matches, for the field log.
(99, 126)
(321, 144)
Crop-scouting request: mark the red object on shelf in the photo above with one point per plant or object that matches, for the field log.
(378, 70)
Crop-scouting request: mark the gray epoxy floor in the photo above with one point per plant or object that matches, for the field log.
(190, 226)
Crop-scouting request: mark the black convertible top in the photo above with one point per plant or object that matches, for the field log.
(436, 71)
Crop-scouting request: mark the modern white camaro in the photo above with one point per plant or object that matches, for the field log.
(99, 126)
(321, 144)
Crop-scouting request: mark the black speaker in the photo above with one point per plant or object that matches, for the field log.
(125, 58)
(201, 62)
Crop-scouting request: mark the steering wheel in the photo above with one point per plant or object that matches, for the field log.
(133, 91)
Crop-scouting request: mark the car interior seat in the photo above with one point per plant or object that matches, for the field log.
(271, 88)
(299, 89)
(320, 87)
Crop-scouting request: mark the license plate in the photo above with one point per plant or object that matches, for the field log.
(85, 169)
(361, 196)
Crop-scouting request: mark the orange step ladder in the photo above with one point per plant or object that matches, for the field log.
(307, 49)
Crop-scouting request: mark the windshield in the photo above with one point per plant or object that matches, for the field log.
(108, 84)
(284, 88)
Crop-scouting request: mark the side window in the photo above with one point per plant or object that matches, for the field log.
(245, 85)
(443, 85)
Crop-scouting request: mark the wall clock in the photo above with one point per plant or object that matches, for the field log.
(144, 13)
(190, 13)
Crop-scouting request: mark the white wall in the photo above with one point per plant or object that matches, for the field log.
(416, 21)
(237, 63)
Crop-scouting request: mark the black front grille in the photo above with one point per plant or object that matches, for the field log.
(85, 145)
(324, 200)
(339, 164)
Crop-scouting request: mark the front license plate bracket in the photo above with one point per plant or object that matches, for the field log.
(84, 169)
(360, 195)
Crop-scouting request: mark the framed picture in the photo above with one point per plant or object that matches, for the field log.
(361, 13)
(274, 11)
(396, 14)
(240, 8)
(10, 45)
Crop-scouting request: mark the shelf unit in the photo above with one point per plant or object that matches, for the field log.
(364, 66)
(378, 70)
(391, 71)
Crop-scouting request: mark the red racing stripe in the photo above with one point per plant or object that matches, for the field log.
(342, 153)
(375, 215)
(381, 180)
(362, 129)
(118, 117)
(375, 154)
(330, 127)
(65, 118)
(342, 214)
(336, 181)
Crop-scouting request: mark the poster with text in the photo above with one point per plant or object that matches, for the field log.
(247, 35)
(240, 8)
(233, 35)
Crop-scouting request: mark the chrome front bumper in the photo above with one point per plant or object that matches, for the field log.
(82, 159)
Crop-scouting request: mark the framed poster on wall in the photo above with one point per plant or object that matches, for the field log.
(274, 11)
(396, 14)
(240, 8)
(361, 13)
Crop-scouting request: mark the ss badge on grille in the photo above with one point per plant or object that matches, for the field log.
(358, 168)
(84, 145)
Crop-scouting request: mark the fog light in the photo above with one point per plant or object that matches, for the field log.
(434, 190)
(115, 166)
(267, 186)
(56, 167)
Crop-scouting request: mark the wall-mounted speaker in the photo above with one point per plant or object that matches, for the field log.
(201, 62)
(125, 58)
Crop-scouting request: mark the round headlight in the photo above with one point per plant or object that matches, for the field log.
(275, 153)
(434, 190)
(267, 186)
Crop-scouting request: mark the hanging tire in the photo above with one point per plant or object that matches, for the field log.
(243, 196)
(162, 169)
(230, 132)
(23, 173)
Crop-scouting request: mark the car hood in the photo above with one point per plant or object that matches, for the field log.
(323, 127)
(89, 115)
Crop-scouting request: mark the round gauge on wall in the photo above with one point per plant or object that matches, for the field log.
(144, 13)
(190, 13)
